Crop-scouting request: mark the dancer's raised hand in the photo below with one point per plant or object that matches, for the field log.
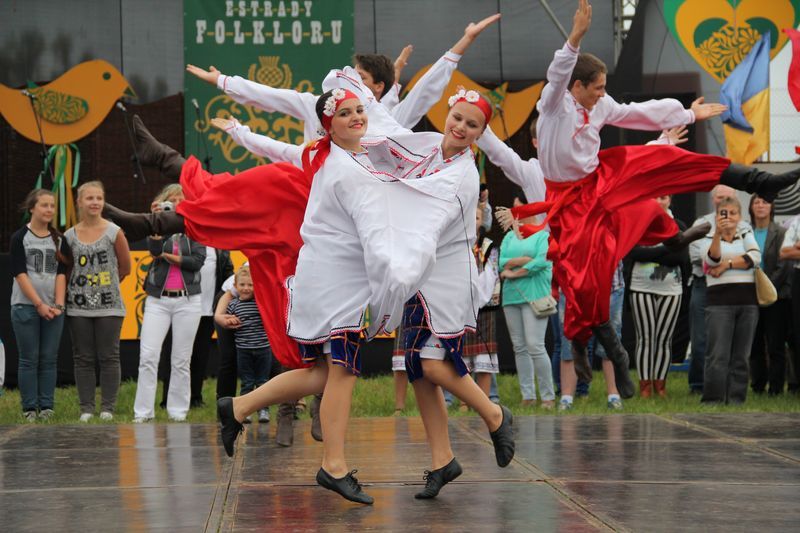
(223, 124)
(703, 111)
(401, 62)
(472, 31)
(677, 135)
(209, 76)
(504, 217)
(580, 23)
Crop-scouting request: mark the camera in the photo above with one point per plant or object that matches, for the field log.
(723, 213)
(167, 206)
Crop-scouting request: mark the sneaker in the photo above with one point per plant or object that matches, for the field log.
(615, 404)
(176, 418)
(45, 414)
(85, 417)
(106, 415)
(564, 405)
(263, 415)
(30, 416)
(548, 405)
(142, 419)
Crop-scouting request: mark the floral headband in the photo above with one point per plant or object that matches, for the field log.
(474, 98)
(332, 104)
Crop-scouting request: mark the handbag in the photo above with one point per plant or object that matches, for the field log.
(765, 290)
(542, 307)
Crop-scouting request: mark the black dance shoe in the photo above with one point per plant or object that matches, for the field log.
(348, 486)
(229, 426)
(503, 439)
(436, 479)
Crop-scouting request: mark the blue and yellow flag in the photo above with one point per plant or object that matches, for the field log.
(746, 93)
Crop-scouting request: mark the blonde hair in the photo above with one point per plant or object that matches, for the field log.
(170, 190)
(730, 202)
(243, 271)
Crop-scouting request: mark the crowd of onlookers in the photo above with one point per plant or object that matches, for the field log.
(192, 291)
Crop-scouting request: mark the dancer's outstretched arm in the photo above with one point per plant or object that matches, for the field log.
(428, 90)
(526, 174)
(270, 99)
(275, 151)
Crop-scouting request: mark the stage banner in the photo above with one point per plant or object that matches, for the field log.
(284, 44)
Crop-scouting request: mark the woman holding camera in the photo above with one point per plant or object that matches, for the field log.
(173, 299)
(731, 306)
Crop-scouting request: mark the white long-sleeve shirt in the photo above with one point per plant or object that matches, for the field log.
(526, 174)
(425, 93)
(569, 134)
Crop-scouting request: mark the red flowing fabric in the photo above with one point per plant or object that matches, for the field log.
(258, 211)
(607, 214)
(794, 67)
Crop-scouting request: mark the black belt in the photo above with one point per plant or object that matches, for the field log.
(174, 294)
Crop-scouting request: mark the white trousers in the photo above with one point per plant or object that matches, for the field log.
(2, 363)
(183, 314)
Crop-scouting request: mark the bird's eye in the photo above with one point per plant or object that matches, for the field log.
(106, 75)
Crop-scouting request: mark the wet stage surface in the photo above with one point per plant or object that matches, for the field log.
(702, 472)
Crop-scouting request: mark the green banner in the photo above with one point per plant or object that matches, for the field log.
(287, 44)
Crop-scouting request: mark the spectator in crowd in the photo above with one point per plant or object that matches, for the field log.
(100, 261)
(790, 251)
(227, 325)
(656, 289)
(173, 299)
(731, 305)
(697, 306)
(768, 354)
(39, 261)
(253, 356)
(216, 268)
(527, 276)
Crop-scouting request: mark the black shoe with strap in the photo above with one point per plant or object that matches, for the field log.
(348, 486)
(436, 479)
(503, 439)
(229, 426)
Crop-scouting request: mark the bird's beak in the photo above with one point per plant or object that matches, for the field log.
(129, 92)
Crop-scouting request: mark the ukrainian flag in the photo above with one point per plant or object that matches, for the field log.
(746, 93)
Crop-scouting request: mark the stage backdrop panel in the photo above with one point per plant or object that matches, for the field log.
(285, 44)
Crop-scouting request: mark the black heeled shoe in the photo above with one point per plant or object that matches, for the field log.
(436, 479)
(503, 439)
(348, 486)
(229, 426)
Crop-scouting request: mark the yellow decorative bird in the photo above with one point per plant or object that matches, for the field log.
(69, 107)
(516, 107)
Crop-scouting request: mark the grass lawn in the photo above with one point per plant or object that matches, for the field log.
(375, 397)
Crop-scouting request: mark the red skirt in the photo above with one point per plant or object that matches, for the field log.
(258, 211)
(595, 222)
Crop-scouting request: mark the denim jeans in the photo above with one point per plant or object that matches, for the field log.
(697, 313)
(254, 367)
(731, 329)
(37, 341)
(527, 333)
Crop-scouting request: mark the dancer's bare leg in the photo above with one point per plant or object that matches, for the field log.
(334, 414)
(432, 409)
(285, 387)
(443, 373)
(400, 389)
